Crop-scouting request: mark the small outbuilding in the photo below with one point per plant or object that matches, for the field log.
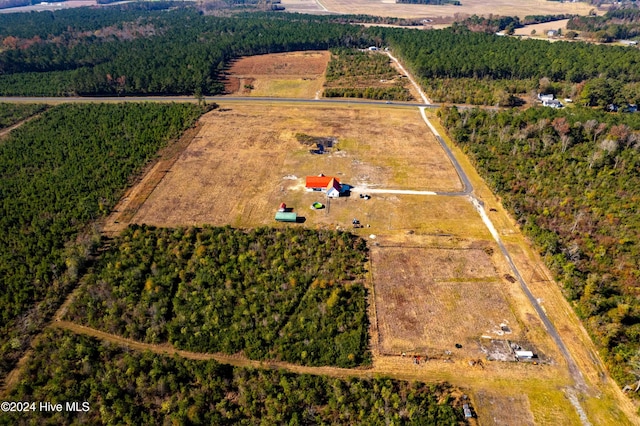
(554, 103)
(524, 354)
(286, 216)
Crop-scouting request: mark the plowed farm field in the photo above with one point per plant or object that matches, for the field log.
(290, 75)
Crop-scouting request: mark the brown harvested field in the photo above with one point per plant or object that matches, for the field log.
(430, 299)
(469, 7)
(505, 410)
(246, 160)
(542, 29)
(293, 74)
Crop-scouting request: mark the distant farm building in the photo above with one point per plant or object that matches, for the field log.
(554, 103)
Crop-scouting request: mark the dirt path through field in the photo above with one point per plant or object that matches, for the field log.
(398, 367)
(138, 193)
(5, 132)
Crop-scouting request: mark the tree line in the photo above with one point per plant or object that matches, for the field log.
(616, 24)
(570, 179)
(459, 53)
(196, 49)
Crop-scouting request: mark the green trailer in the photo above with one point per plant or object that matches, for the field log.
(286, 217)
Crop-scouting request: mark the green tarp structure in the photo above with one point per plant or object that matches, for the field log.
(286, 217)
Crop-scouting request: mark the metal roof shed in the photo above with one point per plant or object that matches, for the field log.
(286, 217)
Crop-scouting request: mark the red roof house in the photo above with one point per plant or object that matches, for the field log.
(319, 182)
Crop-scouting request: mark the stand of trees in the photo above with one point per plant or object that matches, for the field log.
(459, 53)
(124, 387)
(107, 53)
(58, 173)
(292, 294)
(11, 114)
(616, 24)
(570, 178)
(195, 51)
(352, 73)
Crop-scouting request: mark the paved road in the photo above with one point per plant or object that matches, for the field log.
(210, 99)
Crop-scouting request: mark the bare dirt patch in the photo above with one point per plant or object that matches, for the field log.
(246, 160)
(293, 74)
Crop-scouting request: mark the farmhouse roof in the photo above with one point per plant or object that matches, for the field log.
(319, 181)
(335, 184)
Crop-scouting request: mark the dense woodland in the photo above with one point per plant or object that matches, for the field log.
(11, 114)
(363, 74)
(125, 387)
(616, 24)
(123, 59)
(58, 173)
(459, 53)
(291, 294)
(571, 180)
(84, 51)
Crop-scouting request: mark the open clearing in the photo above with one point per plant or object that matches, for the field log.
(434, 251)
(430, 299)
(468, 7)
(290, 75)
(246, 160)
(541, 29)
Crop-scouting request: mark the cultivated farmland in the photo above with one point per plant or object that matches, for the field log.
(470, 7)
(289, 75)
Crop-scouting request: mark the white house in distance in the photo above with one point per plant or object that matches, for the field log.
(549, 101)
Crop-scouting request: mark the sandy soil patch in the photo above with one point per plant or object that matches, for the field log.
(292, 74)
(246, 160)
